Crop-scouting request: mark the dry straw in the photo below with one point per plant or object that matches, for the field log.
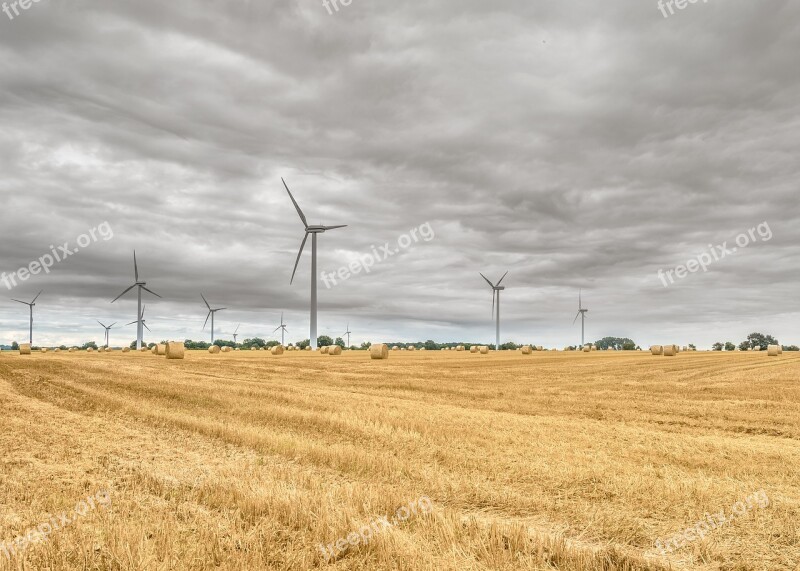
(44, 349)
(226, 349)
(773, 350)
(334, 350)
(324, 350)
(474, 349)
(587, 349)
(670, 350)
(25, 349)
(214, 349)
(395, 348)
(379, 351)
(175, 350)
(657, 350)
(460, 348)
(124, 349)
(484, 350)
(57, 350)
(527, 350)
(277, 350)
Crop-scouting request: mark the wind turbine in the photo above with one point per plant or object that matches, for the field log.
(141, 324)
(283, 330)
(236, 333)
(108, 328)
(582, 314)
(348, 332)
(211, 314)
(496, 289)
(140, 309)
(30, 305)
(313, 230)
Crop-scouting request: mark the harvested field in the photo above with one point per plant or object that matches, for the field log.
(567, 461)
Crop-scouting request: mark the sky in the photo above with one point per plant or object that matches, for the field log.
(576, 145)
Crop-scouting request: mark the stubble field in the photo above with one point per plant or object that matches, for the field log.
(250, 461)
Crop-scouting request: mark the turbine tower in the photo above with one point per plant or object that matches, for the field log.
(313, 230)
(582, 314)
(31, 306)
(107, 328)
(283, 330)
(236, 333)
(496, 289)
(140, 309)
(140, 325)
(348, 332)
(211, 314)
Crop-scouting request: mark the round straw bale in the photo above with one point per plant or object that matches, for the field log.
(395, 348)
(657, 349)
(214, 349)
(57, 350)
(412, 348)
(25, 349)
(277, 350)
(587, 349)
(161, 349)
(474, 349)
(89, 350)
(175, 350)
(460, 348)
(126, 349)
(379, 351)
(670, 350)
(334, 350)
(44, 349)
(773, 350)
(757, 348)
(484, 350)
(226, 349)
(527, 350)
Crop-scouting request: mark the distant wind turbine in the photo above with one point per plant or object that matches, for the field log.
(30, 305)
(582, 314)
(283, 330)
(211, 314)
(140, 309)
(348, 332)
(140, 325)
(236, 333)
(313, 230)
(496, 289)
(108, 328)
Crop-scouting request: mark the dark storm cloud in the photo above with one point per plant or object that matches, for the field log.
(576, 144)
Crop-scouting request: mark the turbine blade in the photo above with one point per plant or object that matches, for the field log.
(580, 303)
(204, 299)
(220, 309)
(145, 326)
(135, 266)
(576, 318)
(22, 302)
(297, 207)
(494, 295)
(98, 321)
(151, 291)
(112, 325)
(206, 323)
(237, 329)
(37, 297)
(491, 285)
(501, 279)
(123, 293)
(335, 227)
(132, 322)
(300, 253)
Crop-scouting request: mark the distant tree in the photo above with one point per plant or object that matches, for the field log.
(302, 344)
(15, 346)
(509, 346)
(629, 346)
(613, 343)
(730, 346)
(257, 342)
(324, 341)
(90, 344)
(759, 340)
(340, 342)
(63, 347)
(791, 348)
(366, 345)
(717, 346)
(202, 345)
(744, 346)
(692, 347)
(431, 345)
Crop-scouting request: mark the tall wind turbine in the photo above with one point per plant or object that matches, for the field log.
(348, 332)
(236, 333)
(313, 230)
(211, 314)
(582, 314)
(107, 328)
(283, 330)
(31, 306)
(140, 309)
(496, 289)
(140, 325)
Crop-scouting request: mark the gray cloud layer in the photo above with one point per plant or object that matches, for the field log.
(576, 144)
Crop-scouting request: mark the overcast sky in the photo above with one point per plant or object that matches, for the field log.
(574, 144)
